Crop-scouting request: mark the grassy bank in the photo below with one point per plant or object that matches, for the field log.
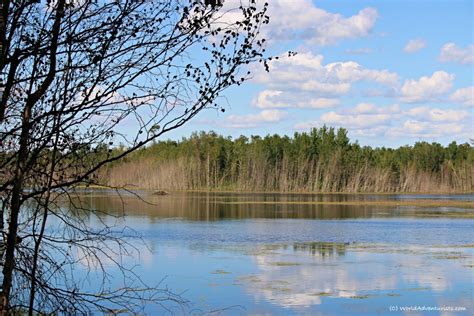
(324, 160)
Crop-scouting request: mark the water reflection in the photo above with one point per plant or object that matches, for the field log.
(293, 259)
(305, 278)
(317, 277)
(218, 206)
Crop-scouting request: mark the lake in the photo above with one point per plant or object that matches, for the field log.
(301, 254)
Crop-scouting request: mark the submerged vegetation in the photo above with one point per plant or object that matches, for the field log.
(323, 160)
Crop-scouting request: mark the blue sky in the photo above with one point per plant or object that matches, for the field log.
(391, 72)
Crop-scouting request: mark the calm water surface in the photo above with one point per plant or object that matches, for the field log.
(231, 254)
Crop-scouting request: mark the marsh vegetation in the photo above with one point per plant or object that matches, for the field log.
(322, 160)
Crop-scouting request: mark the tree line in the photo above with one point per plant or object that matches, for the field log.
(321, 160)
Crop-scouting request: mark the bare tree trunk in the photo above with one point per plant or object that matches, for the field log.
(14, 213)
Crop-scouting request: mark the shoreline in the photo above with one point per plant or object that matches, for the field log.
(137, 188)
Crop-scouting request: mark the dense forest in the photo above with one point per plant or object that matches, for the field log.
(322, 160)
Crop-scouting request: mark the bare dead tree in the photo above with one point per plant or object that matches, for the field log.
(76, 78)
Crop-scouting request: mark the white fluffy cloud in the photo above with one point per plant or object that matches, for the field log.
(425, 122)
(437, 115)
(306, 72)
(363, 116)
(302, 20)
(414, 45)
(304, 81)
(370, 108)
(351, 71)
(254, 120)
(334, 27)
(464, 96)
(354, 120)
(370, 120)
(427, 88)
(424, 129)
(450, 52)
(268, 99)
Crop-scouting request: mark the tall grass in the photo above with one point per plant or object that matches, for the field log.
(322, 175)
